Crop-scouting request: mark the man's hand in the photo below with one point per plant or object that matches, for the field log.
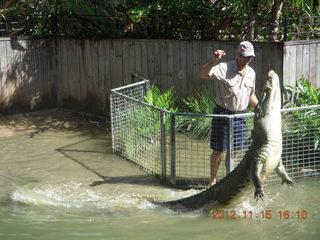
(218, 54)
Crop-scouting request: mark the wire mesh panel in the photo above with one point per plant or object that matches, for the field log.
(239, 138)
(301, 141)
(192, 150)
(301, 144)
(135, 91)
(120, 106)
(136, 128)
(196, 136)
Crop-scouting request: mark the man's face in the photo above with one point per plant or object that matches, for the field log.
(243, 61)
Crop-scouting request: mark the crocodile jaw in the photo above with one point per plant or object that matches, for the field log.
(271, 99)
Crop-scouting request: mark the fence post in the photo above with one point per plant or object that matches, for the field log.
(163, 145)
(230, 154)
(285, 30)
(173, 148)
(146, 87)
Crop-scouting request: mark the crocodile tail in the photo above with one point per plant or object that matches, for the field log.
(195, 201)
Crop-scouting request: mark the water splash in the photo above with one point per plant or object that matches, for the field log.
(79, 195)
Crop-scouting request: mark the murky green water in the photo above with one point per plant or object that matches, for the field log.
(68, 185)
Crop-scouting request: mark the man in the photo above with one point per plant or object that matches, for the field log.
(234, 86)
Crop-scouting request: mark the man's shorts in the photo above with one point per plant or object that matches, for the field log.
(220, 128)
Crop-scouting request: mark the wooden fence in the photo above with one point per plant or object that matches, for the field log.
(301, 58)
(80, 73)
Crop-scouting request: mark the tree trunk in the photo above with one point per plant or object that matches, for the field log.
(276, 14)
(252, 20)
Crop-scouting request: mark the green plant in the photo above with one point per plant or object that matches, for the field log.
(197, 19)
(202, 103)
(303, 94)
(164, 100)
(145, 121)
(306, 123)
(141, 136)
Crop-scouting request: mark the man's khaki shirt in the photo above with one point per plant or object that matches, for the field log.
(232, 89)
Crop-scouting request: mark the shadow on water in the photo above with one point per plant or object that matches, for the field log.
(136, 179)
(142, 179)
(90, 147)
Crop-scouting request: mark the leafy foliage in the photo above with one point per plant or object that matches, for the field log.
(164, 100)
(174, 19)
(303, 94)
(81, 18)
(202, 103)
(146, 120)
(307, 122)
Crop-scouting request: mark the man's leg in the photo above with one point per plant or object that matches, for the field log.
(215, 161)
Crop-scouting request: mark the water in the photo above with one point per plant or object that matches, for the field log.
(68, 185)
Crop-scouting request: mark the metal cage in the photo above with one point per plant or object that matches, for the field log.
(163, 143)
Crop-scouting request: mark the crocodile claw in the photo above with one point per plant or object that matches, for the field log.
(288, 181)
(259, 194)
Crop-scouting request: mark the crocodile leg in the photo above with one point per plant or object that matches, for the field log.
(256, 179)
(281, 172)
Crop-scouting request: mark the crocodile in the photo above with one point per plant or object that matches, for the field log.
(262, 158)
